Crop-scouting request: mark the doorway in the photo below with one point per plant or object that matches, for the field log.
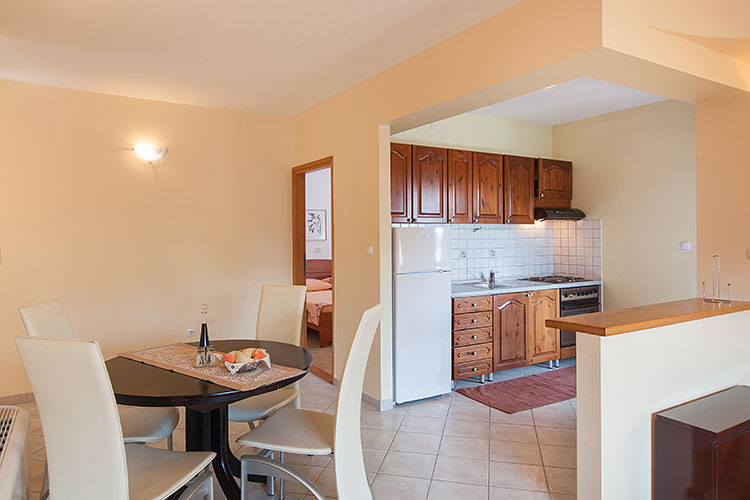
(312, 255)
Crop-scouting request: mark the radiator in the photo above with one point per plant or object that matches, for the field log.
(14, 426)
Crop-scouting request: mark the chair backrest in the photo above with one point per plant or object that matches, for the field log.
(85, 451)
(47, 319)
(351, 480)
(280, 313)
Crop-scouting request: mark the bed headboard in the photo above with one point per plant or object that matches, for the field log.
(318, 268)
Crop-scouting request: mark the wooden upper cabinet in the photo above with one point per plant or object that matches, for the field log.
(459, 186)
(555, 179)
(400, 182)
(543, 342)
(488, 187)
(510, 327)
(519, 190)
(429, 184)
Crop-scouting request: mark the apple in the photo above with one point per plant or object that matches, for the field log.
(259, 354)
(229, 357)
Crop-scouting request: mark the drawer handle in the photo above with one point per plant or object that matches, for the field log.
(474, 369)
(473, 337)
(473, 304)
(473, 353)
(473, 320)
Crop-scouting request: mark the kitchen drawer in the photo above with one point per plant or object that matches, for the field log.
(472, 369)
(471, 337)
(472, 304)
(472, 320)
(472, 353)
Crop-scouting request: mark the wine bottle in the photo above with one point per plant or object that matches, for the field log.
(204, 342)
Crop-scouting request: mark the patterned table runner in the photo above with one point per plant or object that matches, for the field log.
(180, 357)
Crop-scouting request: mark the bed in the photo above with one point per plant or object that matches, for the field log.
(319, 306)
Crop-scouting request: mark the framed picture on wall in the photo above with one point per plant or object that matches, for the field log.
(315, 225)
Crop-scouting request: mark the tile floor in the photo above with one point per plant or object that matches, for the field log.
(443, 448)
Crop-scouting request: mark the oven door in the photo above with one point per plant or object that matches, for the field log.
(568, 337)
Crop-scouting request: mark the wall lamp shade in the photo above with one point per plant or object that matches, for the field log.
(149, 152)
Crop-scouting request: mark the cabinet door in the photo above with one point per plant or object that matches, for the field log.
(519, 190)
(544, 343)
(459, 186)
(429, 184)
(555, 179)
(488, 187)
(400, 182)
(511, 318)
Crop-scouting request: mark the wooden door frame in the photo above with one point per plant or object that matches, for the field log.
(299, 245)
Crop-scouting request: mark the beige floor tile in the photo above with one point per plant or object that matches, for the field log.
(559, 456)
(422, 425)
(443, 490)
(429, 409)
(525, 477)
(381, 420)
(473, 413)
(555, 415)
(326, 483)
(311, 472)
(416, 443)
(461, 400)
(513, 494)
(386, 487)
(464, 447)
(373, 459)
(461, 470)
(517, 453)
(561, 480)
(401, 463)
(556, 437)
(376, 439)
(465, 428)
(512, 432)
(520, 418)
(317, 460)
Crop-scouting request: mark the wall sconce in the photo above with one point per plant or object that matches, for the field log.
(149, 152)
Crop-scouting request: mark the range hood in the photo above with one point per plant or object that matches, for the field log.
(541, 213)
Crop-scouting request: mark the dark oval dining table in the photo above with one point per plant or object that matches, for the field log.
(206, 404)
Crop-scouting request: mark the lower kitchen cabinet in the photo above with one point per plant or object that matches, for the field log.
(544, 343)
(510, 327)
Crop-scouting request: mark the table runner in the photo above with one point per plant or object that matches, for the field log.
(180, 357)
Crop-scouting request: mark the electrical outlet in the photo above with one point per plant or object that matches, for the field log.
(191, 332)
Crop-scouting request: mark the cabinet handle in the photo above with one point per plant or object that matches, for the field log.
(476, 219)
(473, 320)
(473, 353)
(450, 220)
(473, 304)
(473, 337)
(530, 294)
(507, 221)
(541, 195)
(474, 369)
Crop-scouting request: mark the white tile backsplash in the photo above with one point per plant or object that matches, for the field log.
(521, 250)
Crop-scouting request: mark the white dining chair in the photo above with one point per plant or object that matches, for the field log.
(14, 473)
(139, 425)
(86, 456)
(280, 316)
(292, 430)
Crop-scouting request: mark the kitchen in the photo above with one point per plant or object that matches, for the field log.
(501, 195)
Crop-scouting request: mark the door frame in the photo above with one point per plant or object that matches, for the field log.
(299, 247)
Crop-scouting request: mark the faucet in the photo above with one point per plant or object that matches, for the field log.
(492, 277)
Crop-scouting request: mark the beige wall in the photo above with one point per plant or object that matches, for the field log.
(133, 250)
(723, 173)
(635, 170)
(477, 132)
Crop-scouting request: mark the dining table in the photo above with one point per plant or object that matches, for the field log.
(206, 404)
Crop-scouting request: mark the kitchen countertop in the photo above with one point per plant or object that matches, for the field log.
(632, 319)
(459, 290)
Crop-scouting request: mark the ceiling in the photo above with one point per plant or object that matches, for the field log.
(569, 101)
(270, 56)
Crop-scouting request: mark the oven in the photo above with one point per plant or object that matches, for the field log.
(575, 301)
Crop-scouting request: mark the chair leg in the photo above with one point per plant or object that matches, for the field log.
(281, 479)
(269, 480)
(170, 442)
(264, 466)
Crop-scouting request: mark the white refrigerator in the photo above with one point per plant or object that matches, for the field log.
(421, 312)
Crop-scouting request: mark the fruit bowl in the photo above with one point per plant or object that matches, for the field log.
(246, 360)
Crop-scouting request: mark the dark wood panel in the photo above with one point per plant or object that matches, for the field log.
(471, 337)
(429, 184)
(401, 156)
(472, 304)
(510, 324)
(472, 320)
(472, 353)
(519, 190)
(554, 179)
(472, 369)
(488, 187)
(318, 268)
(460, 187)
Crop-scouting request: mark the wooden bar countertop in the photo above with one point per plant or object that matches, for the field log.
(620, 321)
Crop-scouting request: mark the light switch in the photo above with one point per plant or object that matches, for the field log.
(368, 250)
(685, 246)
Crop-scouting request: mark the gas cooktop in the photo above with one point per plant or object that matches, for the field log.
(555, 279)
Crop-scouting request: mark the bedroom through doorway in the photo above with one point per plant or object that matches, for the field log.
(312, 242)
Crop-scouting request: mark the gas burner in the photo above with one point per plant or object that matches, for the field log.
(555, 279)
